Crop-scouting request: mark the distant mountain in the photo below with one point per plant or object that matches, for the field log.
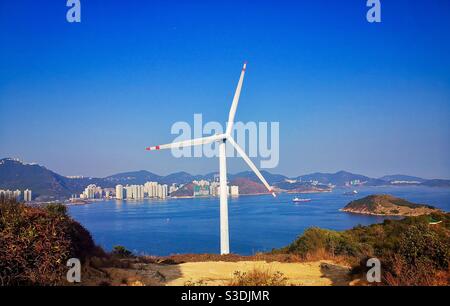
(185, 191)
(44, 183)
(387, 205)
(271, 178)
(179, 178)
(436, 183)
(143, 176)
(135, 177)
(400, 177)
(302, 187)
(340, 178)
(247, 186)
(48, 185)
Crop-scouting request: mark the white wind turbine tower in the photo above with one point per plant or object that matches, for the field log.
(222, 139)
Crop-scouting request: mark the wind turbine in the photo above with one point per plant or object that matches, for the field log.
(222, 139)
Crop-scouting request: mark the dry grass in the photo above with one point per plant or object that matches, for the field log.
(422, 273)
(258, 277)
(323, 254)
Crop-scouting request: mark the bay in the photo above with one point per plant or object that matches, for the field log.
(257, 223)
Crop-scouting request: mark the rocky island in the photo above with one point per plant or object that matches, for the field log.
(387, 205)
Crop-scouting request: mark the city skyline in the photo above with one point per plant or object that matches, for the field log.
(85, 99)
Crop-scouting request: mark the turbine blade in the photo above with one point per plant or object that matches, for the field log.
(251, 164)
(234, 105)
(187, 143)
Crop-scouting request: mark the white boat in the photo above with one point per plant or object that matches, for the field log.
(300, 200)
(353, 192)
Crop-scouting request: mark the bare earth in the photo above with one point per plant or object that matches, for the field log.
(317, 273)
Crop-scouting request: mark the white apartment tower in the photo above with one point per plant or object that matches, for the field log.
(17, 194)
(139, 192)
(234, 190)
(119, 192)
(27, 195)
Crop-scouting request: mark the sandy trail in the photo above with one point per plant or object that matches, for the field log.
(318, 273)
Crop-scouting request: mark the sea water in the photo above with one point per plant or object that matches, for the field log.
(257, 223)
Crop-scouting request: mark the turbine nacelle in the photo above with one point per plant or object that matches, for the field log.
(217, 138)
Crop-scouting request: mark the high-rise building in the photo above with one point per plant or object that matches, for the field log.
(161, 191)
(129, 192)
(139, 192)
(27, 195)
(201, 188)
(119, 192)
(8, 194)
(214, 189)
(108, 192)
(92, 192)
(155, 190)
(151, 188)
(165, 190)
(234, 191)
(17, 194)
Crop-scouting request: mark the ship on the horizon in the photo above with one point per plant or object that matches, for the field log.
(353, 192)
(297, 200)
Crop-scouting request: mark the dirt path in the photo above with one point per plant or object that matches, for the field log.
(318, 273)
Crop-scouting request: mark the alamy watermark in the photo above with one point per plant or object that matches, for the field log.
(373, 275)
(260, 139)
(374, 13)
(74, 273)
(74, 12)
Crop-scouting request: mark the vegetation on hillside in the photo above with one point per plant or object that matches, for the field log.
(413, 251)
(384, 204)
(36, 242)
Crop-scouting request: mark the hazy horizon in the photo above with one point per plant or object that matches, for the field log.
(86, 99)
(206, 173)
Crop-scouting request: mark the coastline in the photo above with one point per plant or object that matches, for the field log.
(80, 203)
(367, 213)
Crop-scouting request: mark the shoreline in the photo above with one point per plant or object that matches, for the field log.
(383, 215)
(80, 203)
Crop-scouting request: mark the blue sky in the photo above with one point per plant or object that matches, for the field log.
(85, 99)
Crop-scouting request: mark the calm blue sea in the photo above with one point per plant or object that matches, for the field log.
(257, 223)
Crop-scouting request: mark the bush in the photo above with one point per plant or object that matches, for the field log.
(121, 251)
(412, 251)
(56, 209)
(35, 243)
(258, 277)
(316, 239)
(421, 244)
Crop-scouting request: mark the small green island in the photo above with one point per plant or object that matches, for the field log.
(387, 205)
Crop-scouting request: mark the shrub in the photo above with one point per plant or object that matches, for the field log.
(258, 277)
(121, 251)
(316, 239)
(36, 242)
(412, 251)
(420, 244)
(56, 209)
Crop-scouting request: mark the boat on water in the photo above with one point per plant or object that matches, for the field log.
(353, 192)
(296, 200)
